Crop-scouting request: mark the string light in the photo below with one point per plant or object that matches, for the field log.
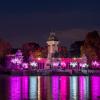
(73, 64)
(33, 64)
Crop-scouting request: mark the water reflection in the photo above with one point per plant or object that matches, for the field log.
(83, 88)
(33, 88)
(50, 88)
(55, 87)
(64, 88)
(73, 88)
(15, 88)
(95, 88)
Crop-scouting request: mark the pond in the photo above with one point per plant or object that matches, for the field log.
(49, 87)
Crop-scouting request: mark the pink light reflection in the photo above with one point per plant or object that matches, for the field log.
(64, 88)
(95, 87)
(81, 88)
(25, 85)
(55, 87)
(15, 88)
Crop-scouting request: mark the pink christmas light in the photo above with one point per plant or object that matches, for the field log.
(25, 65)
(63, 64)
(55, 63)
(16, 61)
(95, 63)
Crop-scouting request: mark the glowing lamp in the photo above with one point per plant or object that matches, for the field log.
(25, 65)
(39, 58)
(55, 63)
(33, 64)
(63, 64)
(16, 61)
(95, 63)
(83, 64)
(73, 64)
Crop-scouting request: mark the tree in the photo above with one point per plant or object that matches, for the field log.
(75, 48)
(5, 49)
(62, 52)
(29, 47)
(91, 47)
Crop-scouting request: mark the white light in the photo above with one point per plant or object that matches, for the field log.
(39, 58)
(33, 64)
(84, 65)
(73, 64)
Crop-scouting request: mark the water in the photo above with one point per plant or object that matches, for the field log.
(49, 88)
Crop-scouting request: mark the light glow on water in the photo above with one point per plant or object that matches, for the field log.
(33, 87)
(63, 87)
(50, 87)
(95, 88)
(39, 89)
(55, 87)
(83, 88)
(24, 85)
(73, 88)
(15, 88)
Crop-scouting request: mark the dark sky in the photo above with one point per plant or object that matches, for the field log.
(23, 21)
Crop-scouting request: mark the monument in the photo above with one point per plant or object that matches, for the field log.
(53, 53)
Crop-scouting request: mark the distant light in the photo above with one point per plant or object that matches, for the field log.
(63, 64)
(56, 63)
(73, 64)
(39, 58)
(16, 61)
(83, 64)
(33, 64)
(95, 63)
(25, 65)
(74, 58)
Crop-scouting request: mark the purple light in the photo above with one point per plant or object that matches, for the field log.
(55, 87)
(56, 64)
(15, 88)
(25, 65)
(81, 87)
(63, 64)
(25, 81)
(95, 87)
(95, 63)
(16, 61)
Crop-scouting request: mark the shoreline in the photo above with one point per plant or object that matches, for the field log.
(51, 73)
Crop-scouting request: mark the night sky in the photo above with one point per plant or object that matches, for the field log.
(24, 21)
